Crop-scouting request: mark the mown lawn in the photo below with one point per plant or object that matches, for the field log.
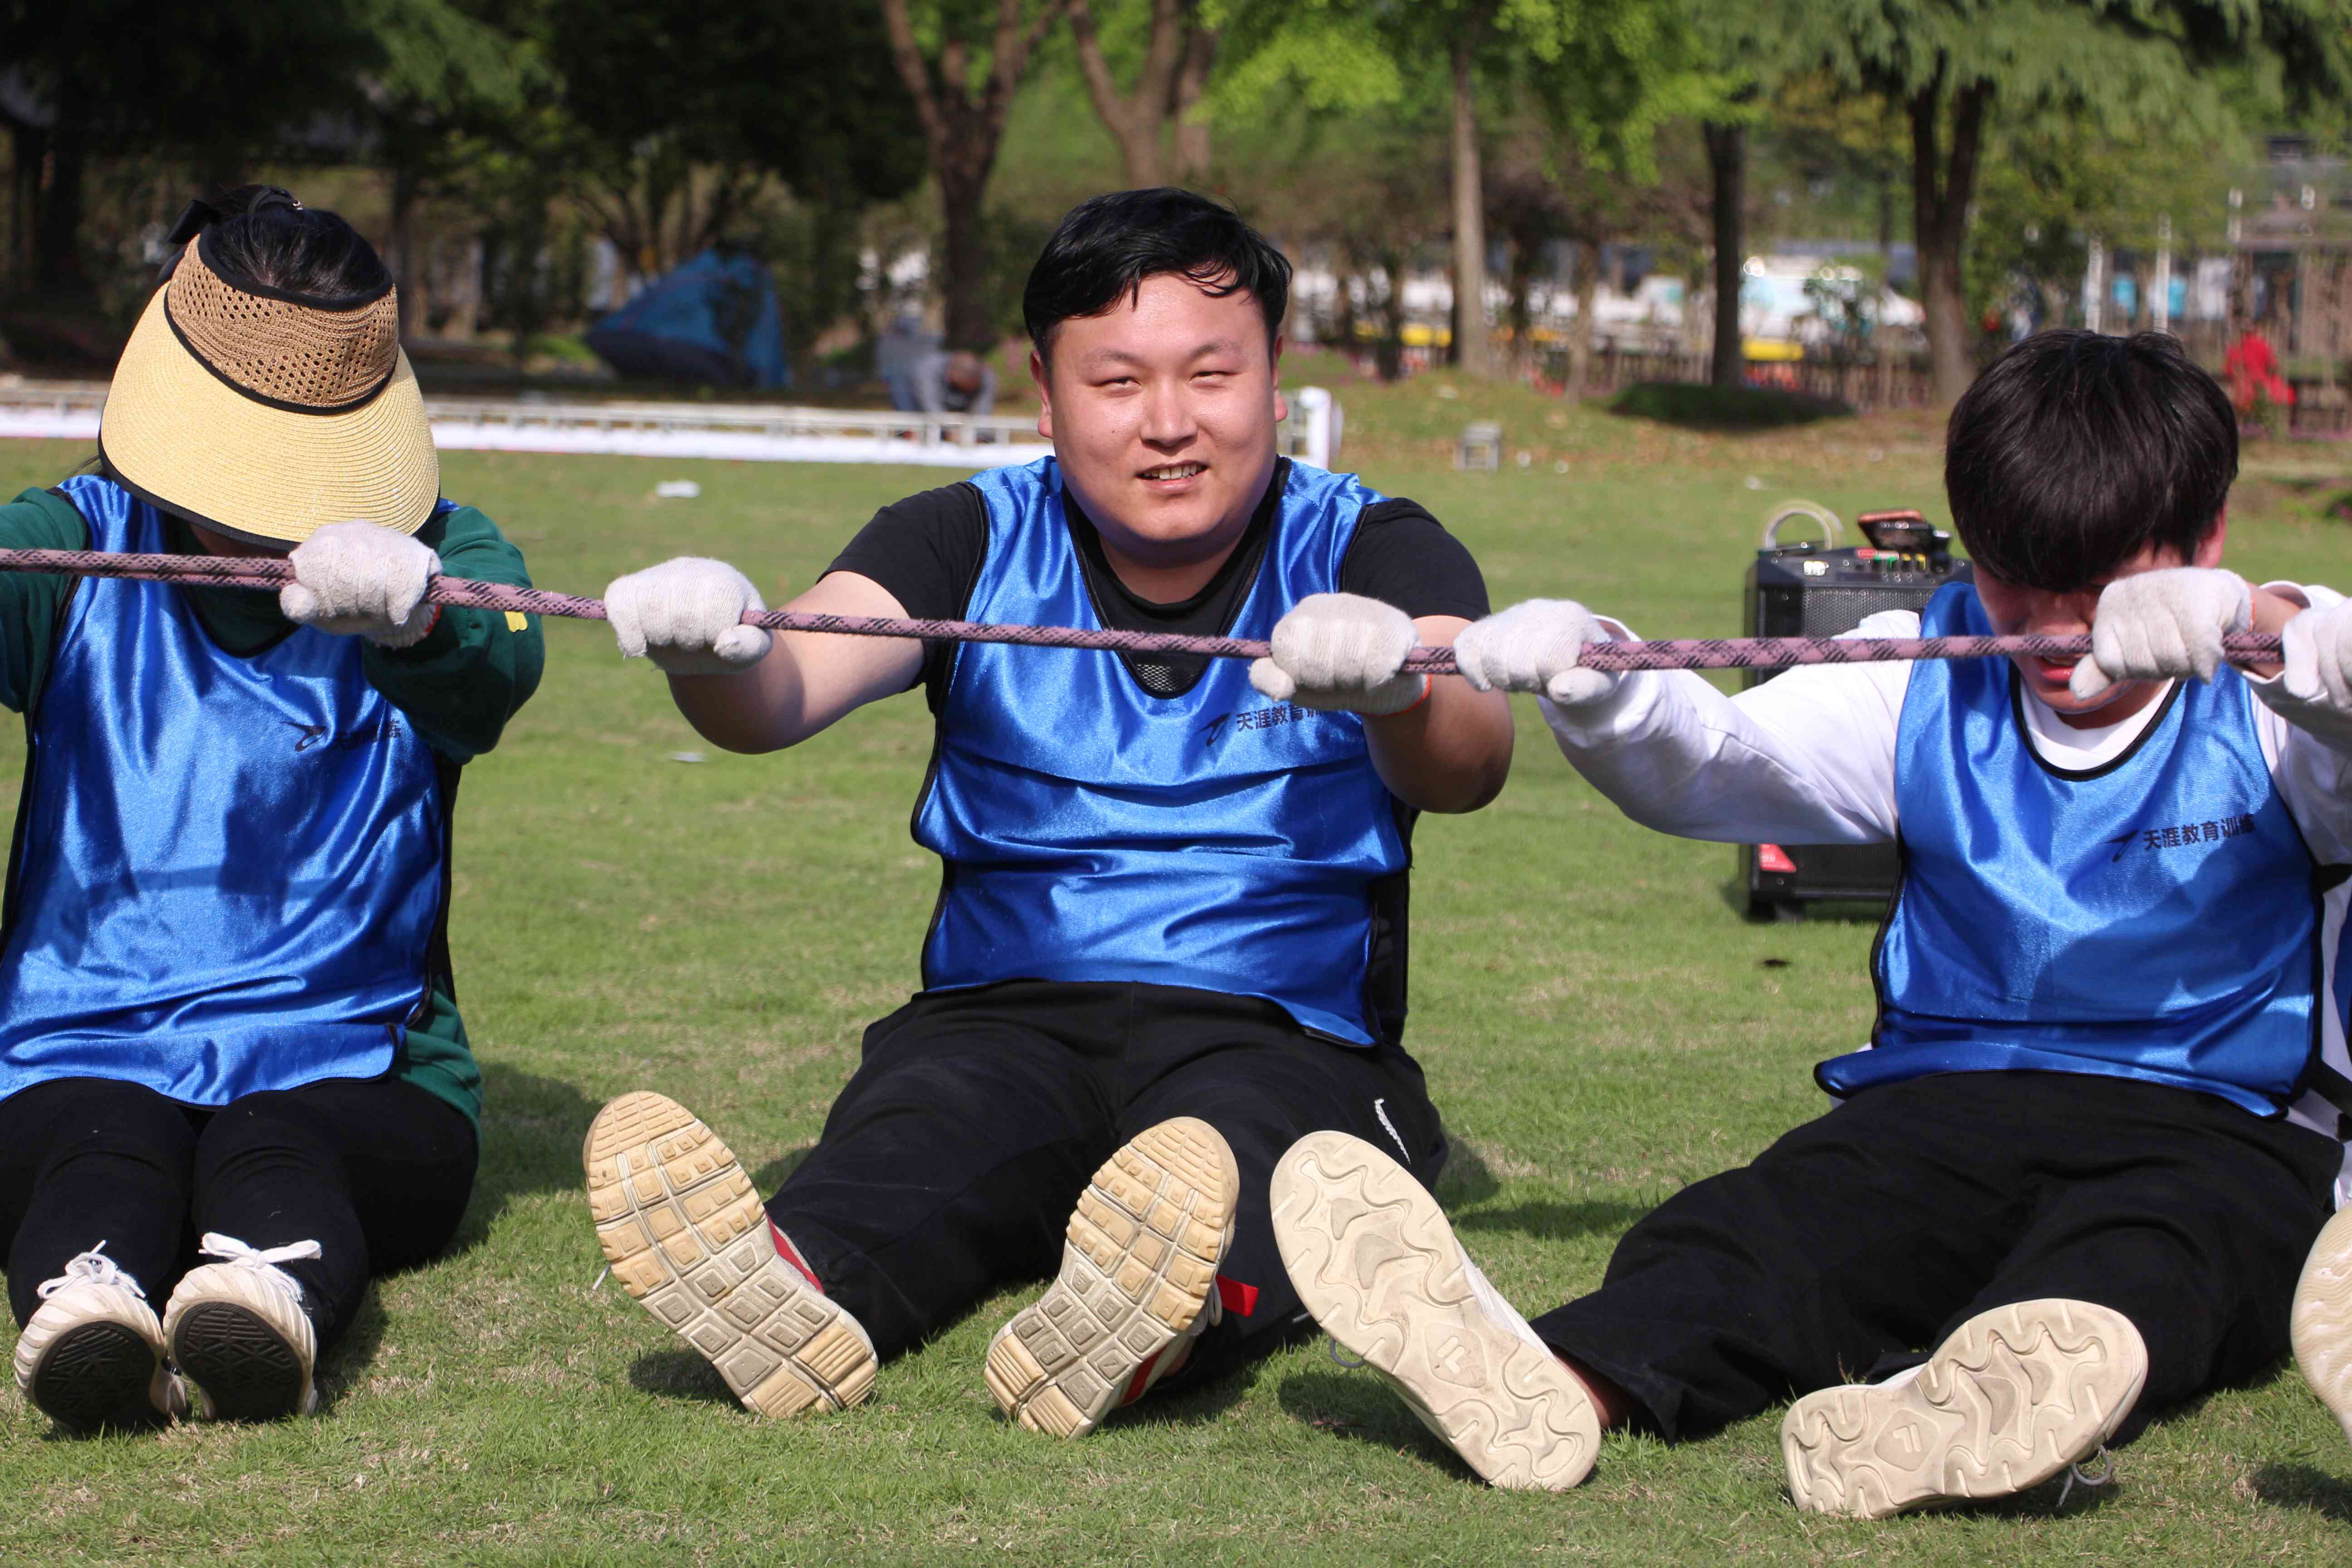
(1598, 1023)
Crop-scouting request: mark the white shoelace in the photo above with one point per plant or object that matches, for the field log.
(91, 1268)
(229, 1249)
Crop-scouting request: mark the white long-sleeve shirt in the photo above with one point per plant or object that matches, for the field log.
(1809, 758)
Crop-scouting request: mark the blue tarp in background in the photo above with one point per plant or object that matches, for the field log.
(714, 319)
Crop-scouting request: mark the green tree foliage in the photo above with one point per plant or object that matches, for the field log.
(2123, 66)
(679, 111)
(446, 101)
(961, 61)
(1165, 48)
(1604, 73)
(2049, 186)
(1369, 187)
(214, 85)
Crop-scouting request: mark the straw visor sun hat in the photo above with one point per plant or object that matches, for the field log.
(266, 415)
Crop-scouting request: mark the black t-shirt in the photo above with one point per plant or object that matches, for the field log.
(928, 551)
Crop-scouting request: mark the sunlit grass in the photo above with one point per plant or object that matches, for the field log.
(1595, 1017)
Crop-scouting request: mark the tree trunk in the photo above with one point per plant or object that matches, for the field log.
(1389, 356)
(1139, 153)
(961, 133)
(968, 326)
(1470, 334)
(1192, 85)
(58, 245)
(1940, 189)
(29, 150)
(407, 278)
(1726, 160)
(1525, 253)
(1580, 339)
(1174, 74)
(1343, 306)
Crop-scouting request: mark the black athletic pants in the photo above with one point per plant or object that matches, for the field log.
(376, 1171)
(1867, 1235)
(949, 1166)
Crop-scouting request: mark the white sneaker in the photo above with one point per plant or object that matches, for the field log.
(687, 1236)
(1137, 1285)
(239, 1334)
(92, 1355)
(2321, 1325)
(2014, 1396)
(1371, 1257)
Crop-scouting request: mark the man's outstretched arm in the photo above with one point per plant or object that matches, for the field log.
(746, 689)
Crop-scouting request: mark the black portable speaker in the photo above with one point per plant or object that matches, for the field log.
(1816, 589)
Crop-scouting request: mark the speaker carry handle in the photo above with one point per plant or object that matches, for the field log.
(1811, 511)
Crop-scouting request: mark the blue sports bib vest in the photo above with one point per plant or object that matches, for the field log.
(1092, 831)
(2157, 918)
(228, 871)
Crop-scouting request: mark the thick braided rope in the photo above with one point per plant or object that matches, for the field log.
(1687, 653)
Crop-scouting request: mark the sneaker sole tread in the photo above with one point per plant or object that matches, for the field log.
(2321, 1326)
(1372, 1258)
(243, 1365)
(2013, 1397)
(1138, 1266)
(686, 1236)
(95, 1375)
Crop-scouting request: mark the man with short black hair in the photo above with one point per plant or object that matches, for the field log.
(2096, 1130)
(1171, 932)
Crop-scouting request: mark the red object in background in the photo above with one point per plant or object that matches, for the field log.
(1773, 858)
(2251, 367)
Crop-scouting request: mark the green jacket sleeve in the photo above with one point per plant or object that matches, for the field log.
(476, 668)
(31, 603)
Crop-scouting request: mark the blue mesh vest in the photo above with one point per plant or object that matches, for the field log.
(228, 871)
(2157, 918)
(1092, 831)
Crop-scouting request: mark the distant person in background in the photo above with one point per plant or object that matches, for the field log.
(898, 352)
(954, 383)
(233, 1080)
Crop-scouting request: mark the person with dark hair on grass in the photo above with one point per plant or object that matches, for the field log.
(2099, 1126)
(234, 1084)
(1170, 930)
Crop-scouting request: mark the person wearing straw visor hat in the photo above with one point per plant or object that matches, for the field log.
(228, 1034)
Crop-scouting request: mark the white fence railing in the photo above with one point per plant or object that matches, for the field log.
(744, 431)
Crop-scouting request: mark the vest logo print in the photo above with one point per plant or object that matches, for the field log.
(2175, 835)
(309, 737)
(1254, 719)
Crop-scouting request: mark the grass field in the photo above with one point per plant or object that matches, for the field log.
(1598, 1023)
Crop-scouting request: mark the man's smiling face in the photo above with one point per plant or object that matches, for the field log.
(1162, 412)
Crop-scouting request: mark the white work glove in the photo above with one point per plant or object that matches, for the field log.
(2316, 649)
(1535, 647)
(687, 616)
(2167, 623)
(358, 579)
(1341, 651)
